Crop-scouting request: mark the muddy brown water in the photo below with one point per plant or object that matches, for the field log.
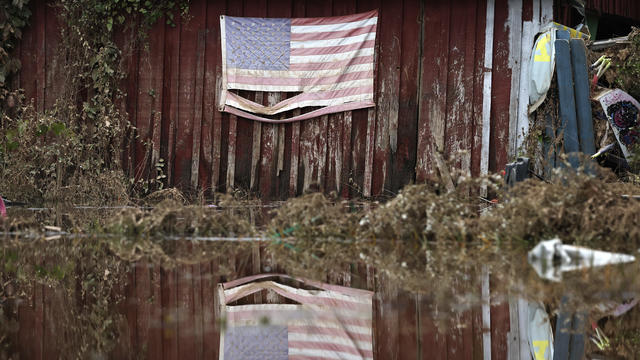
(159, 291)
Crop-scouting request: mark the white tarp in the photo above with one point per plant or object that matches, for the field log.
(540, 332)
(541, 68)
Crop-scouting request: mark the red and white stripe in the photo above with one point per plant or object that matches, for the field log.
(326, 324)
(332, 56)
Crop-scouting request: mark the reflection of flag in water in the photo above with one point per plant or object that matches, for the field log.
(334, 323)
(329, 61)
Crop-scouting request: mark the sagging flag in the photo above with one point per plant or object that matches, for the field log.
(328, 62)
(332, 322)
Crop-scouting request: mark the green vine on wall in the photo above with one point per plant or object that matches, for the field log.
(72, 150)
(14, 16)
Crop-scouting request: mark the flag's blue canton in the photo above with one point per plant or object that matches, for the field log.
(262, 342)
(257, 43)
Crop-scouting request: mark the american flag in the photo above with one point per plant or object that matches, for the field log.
(332, 323)
(327, 61)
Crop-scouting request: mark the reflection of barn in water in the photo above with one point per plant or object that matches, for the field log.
(448, 79)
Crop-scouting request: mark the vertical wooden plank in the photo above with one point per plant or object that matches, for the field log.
(334, 151)
(212, 125)
(231, 152)
(186, 93)
(369, 155)
(467, 334)
(514, 335)
(523, 329)
(27, 342)
(314, 131)
(39, 21)
(284, 159)
(433, 89)
(38, 332)
(198, 311)
(370, 137)
(474, 51)
(28, 56)
(149, 94)
(502, 82)
(460, 88)
(529, 29)
(256, 268)
(343, 178)
(477, 333)
(306, 153)
(256, 147)
(355, 177)
(248, 138)
(486, 315)
(123, 346)
(155, 314)
(408, 326)
(433, 343)
(388, 81)
(156, 141)
(169, 314)
(272, 147)
(563, 333)
(255, 8)
(156, 58)
(482, 95)
(455, 340)
(583, 99)
(546, 12)
(567, 100)
(298, 10)
(131, 59)
(31, 332)
(54, 74)
(198, 116)
(268, 153)
(216, 141)
(295, 155)
(513, 29)
(499, 330)
(235, 8)
(403, 159)
(186, 318)
(211, 336)
(50, 346)
(126, 346)
(386, 315)
(143, 308)
(170, 96)
(321, 152)
(340, 130)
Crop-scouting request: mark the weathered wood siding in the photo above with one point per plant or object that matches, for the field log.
(171, 314)
(433, 85)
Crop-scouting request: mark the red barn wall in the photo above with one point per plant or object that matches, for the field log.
(432, 74)
(430, 70)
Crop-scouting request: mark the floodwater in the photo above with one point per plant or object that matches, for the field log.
(114, 282)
